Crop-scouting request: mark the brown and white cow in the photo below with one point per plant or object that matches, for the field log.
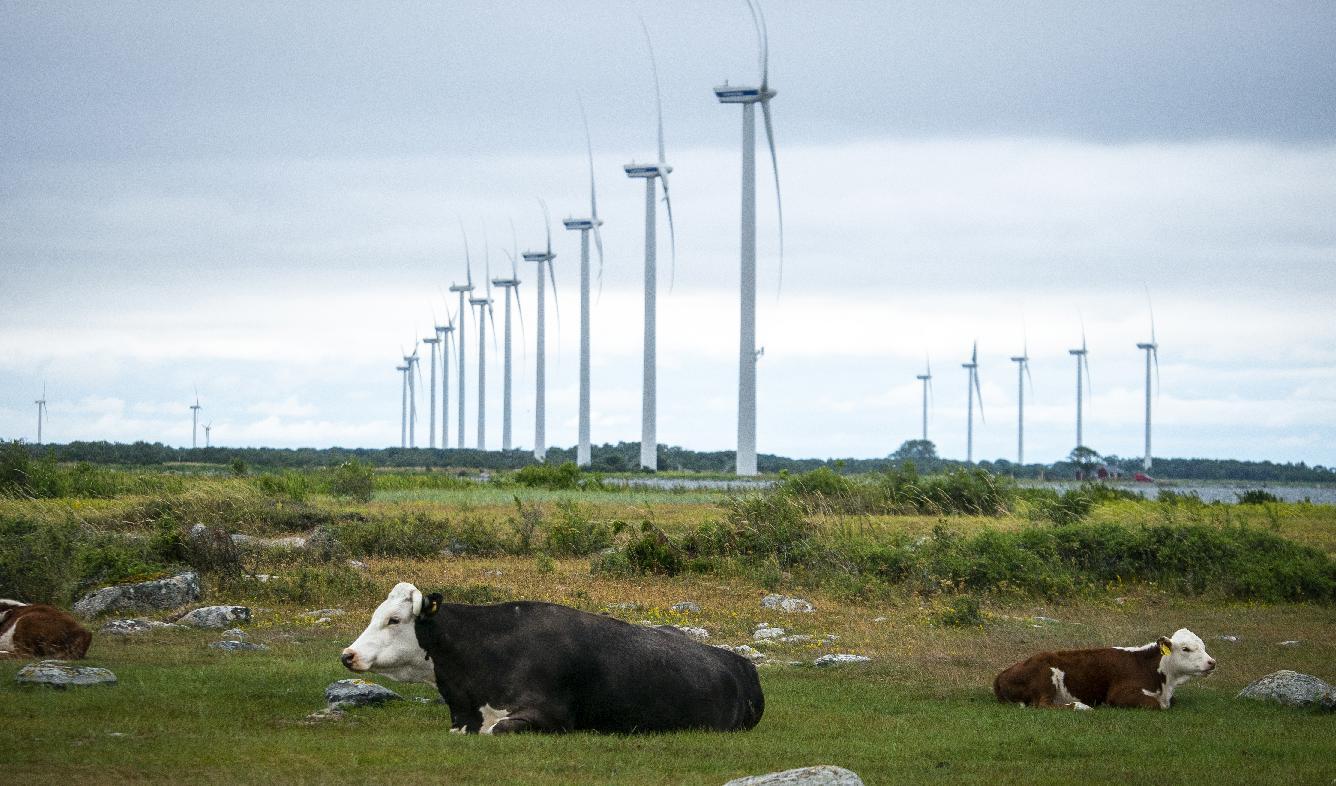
(1144, 676)
(35, 630)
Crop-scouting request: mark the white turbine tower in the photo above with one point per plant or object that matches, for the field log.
(431, 342)
(748, 97)
(462, 289)
(649, 445)
(508, 284)
(543, 258)
(41, 410)
(926, 379)
(194, 421)
(1022, 362)
(403, 408)
(1082, 367)
(484, 305)
(973, 368)
(208, 427)
(583, 452)
(1152, 350)
(444, 335)
(411, 364)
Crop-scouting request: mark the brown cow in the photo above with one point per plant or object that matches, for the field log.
(1142, 676)
(40, 631)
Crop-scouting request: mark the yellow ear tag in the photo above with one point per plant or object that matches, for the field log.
(1165, 649)
(436, 604)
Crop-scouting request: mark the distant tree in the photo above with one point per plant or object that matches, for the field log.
(1085, 459)
(916, 450)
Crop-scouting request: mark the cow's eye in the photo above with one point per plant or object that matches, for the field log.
(1187, 649)
(394, 621)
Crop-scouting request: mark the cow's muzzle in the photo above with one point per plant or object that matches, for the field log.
(348, 659)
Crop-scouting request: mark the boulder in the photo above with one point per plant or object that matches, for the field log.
(157, 595)
(787, 604)
(127, 627)
(59, 674)
(216, 616)
(237, 646)
(355, 692)
(1293, 689)
(839, 658)
(823, 775)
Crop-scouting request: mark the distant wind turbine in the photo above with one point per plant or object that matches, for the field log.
(194, 420)
(749, 97)
(649, 446)
(1082, 380)
(460, 344)
(1152, 349)
(41, 410)
(1022, 373)
(583, 452)
(973, 368)
(207, 428)
(926, 379)
(403, 410)
(507, 284)
(411, 362)
(444, 334)
(543, 258)
(431, 342)
(484, 305)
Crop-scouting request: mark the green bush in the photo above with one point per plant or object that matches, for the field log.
(1257, 497)
(56, 562)
(574, 534)
(353, 479)
(562, 476)
(962, 612)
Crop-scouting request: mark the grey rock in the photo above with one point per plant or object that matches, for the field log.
(699, 634)
(746, 651)
(1290, 643)
(323, 716)
(129, 626)
(235, 634)
(287, 542)
(357, 693)
(216, 616)
(1228, 638)
(324, 613)
(839, 658)
(785, 603)
(796, 638)
(198, 531)
(1293, 689)
(766, 633)
(624, 607)
(1047, 620)
(156, 595)
(822, 775)
(238, 646)
(357, 564)
(686, 607)
(59, 674)
(880, 619)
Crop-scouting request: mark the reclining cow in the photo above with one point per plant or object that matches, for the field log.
(35, 630)
(529, 666)
(1144, 676)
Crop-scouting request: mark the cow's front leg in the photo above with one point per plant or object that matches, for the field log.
(465, 722)
(528, 719)
(1134, 696)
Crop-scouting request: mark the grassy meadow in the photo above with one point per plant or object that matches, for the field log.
(941, 581)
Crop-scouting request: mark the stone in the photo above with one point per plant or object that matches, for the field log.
(215, 616)
(796, 638)
(839, 658)
(746, 651)
(129, 626)
(287, 542)
(822, 775)
(357, 564)
(357, 693)
(624, 607)
(323, 716)
(686, 607)
(237, 646)
(324, 613)
(1290, 643)
(1047, 620)
(59, 674)
(699, 634)
(1292, 689)
(880, 619)
(156, 595)
(763, 634)
(235, 634)
(1228, 638)
(787, 604)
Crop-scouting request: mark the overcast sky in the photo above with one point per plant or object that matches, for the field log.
(263, 200)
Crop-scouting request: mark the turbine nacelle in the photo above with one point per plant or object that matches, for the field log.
(538, 256)
(505, 282)
(431, 341)
(461, 287)
(1148, 346)
(646, 170)
(1077, 352)
(728, 94)
(581, 223)
(480, 301)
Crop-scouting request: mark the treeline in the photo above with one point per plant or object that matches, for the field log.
(625, 457)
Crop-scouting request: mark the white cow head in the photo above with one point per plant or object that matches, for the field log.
(1184, 655)
(389, 644)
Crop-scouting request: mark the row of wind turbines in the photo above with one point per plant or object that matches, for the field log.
(1022, 361)
(653, 173)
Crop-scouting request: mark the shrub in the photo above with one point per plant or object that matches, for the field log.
(821, 482)
(563, 476)
(1256, 497)
(962, 612)
(767, 525)
(573, 534)
(408, 535)
(353, 480)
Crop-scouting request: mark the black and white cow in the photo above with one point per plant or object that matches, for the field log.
(530, 666)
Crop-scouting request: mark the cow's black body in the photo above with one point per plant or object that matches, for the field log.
(554, 668)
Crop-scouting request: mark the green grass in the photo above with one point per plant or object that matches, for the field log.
(187, 713)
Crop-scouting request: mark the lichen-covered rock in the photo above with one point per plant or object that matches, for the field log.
(823, 775)
(235, 634)
(839, 658)
(1293, 689)
(785, 603)
(59, 674)
(355, 692)
(238, 646)
(157, 595)
(767, 632)
(216, 616)
(129, 626)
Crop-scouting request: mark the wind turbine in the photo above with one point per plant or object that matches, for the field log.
(403, 410)
(1082, 362)
(207, 428)
(583, 452)
(484, 305)
(462, 289)
(508, 284)
(973, 368)
(926, 379)
(748, 97)
(431, 342)
(1152, 349)
(540, 378)
(1022, 372)
(649, 446)
(444, 334)
(411, 364)
(41, 410)
(194, 420)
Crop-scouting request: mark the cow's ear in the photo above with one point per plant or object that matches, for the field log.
(432, 604)
(1166, 646)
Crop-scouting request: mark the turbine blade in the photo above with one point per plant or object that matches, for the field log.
(491, 316)
(515, 253)
(774, 163)
(1028, 375)
(1151, 308)
(598, 243)
(467, 261)
(672, 233)
(1090, 396)
(765, 47)
(978, 391)
(658, 98)
(760, 40)
(1155, 355)
(556, 304)
(589, 147)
